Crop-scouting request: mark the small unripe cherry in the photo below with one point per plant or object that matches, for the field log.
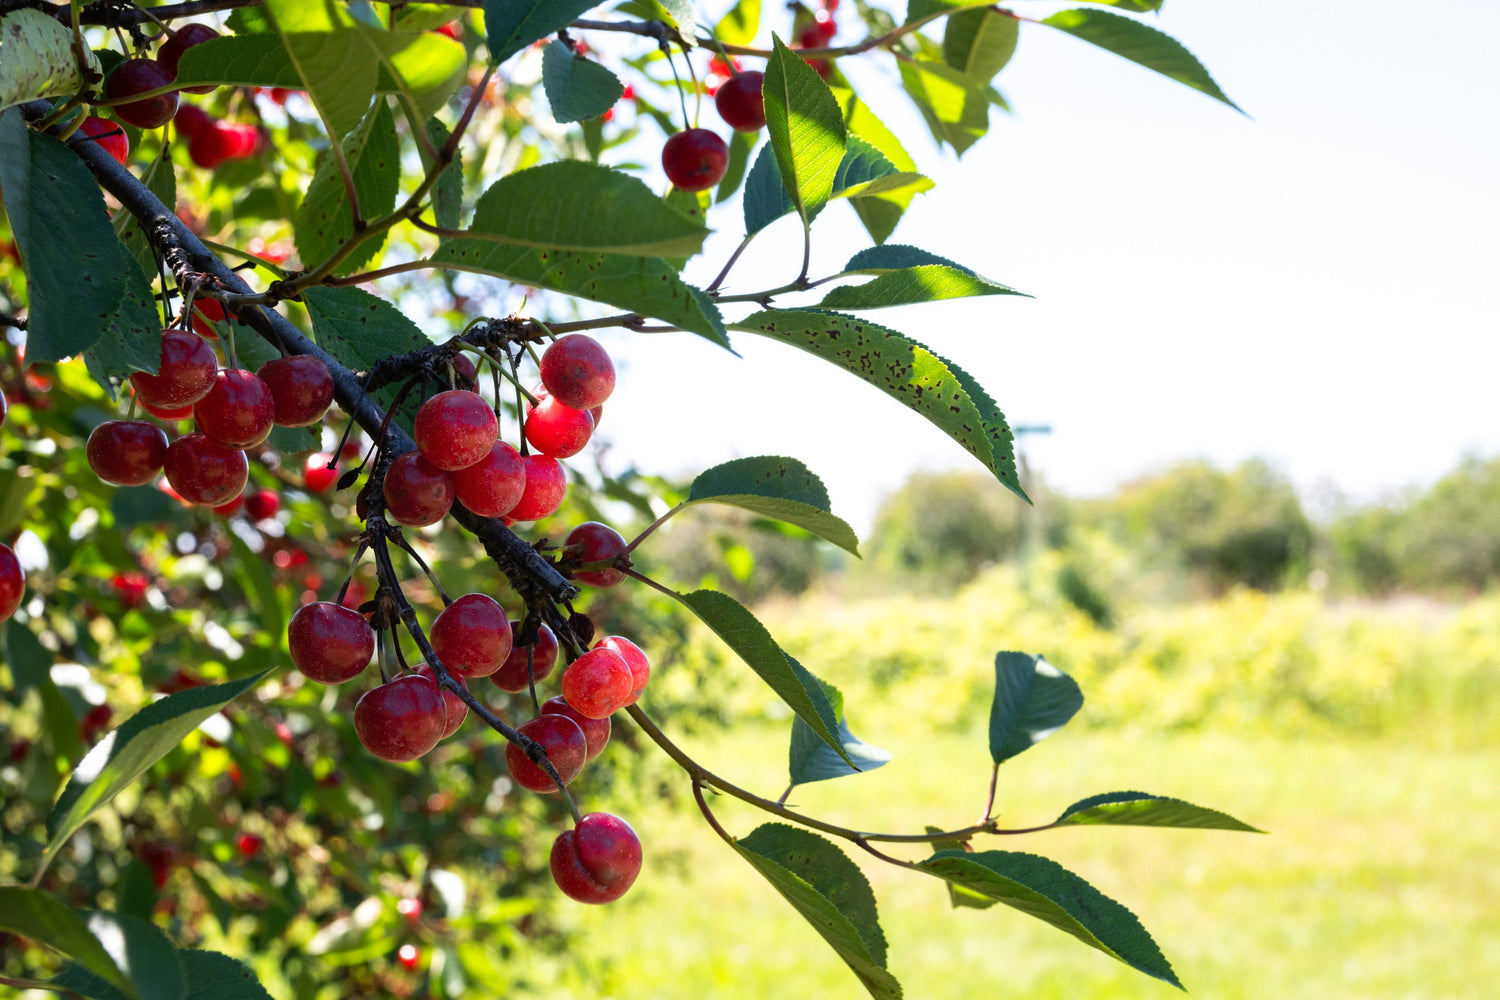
(127, 452)
(330, 643)
(740, 102)
(301, 389)
(184, 375)
(402, 720)
(545, 486)
(595, 731)
(694, 159)
(455, 429)
(472, 636)
(511, 676)
(494, 484)
(204, 472)
(565, 747)
(578, 371)
(598, 683)
(417, 493)
(136, 76)
(598, 860)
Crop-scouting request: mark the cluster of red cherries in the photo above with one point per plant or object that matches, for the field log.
(12, 577)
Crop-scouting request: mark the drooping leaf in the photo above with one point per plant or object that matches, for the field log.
(777, 487)
(140, 951)
(880, 211)
(978, 43)
(830, 892)
(34, 914)
(805, 128)
(740, 25)
(511, 25)
(573, 205)
(577, 88)
(743, 633)
(955, 107)
(809, 759)
(325, 219)
(37, 58)
(1143, 809)
(248, 60)
(996, 429)
(862, 175)
(126, 753)
(333, 59)
(214, 976)
(448, 192)
(1033, 700)
(1140, 43)
(83, 286)
(1048, 891)
(31, 668)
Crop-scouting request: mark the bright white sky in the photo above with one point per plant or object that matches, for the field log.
(1317, 284)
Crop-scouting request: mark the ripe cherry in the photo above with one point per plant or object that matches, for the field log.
(417, 493)
(512, 673)
(595, 731)
(494, 484)
(578, 371)
(410, 956)
(564, 744)
(635, 659)
(130, 587)
(464, 370)
(455, 710)
(824, 24)
(695, 159)
(330, 643)
(249, 844)
(472, 636)
(127, 452)
(183, 39)
(598, 860)
(402, 720)
(238, 410)
(545, 486)
(455, 429)
(218, 141)
(12, 582)
(204, 472)
(167, 413)
(231, 508)
(262, 504)
(158, 856)
(316, 474)
(184, 374)
(301, 389)
(555, 429)
(740, 102)
(206, 312)
(598, 683)
(116, 145)
(410, 907)
(595, 542)
(190, 120)
(136, 76)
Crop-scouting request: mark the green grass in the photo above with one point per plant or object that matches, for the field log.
(1380, 877)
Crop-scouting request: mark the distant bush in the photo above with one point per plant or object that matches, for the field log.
(942, 528)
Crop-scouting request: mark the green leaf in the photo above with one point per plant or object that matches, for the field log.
(959, 896)
(360, 329)
(743, 633)
(881, 211)
(740, 25)
(1140, 43)
(978, 43)
(257, 577)
(809, 759)
(647, 285)
(916, 10)
(427, 67)
(864, 172)
(1002, 441)
(573, 205)
(830, 892)
(805, 128)
(212, 976)
(82, 283)
(782, 488)
(741, 145)
(133, 505)
(765, 199)
(325, 219)
(1139, 6)
(448, 192)
(1048, 891)
(577, 88)
(37, 58)
(139, 950)
(161, 180)
(34, 914)
(259, 60)
(920, 283)
(31, 667)
(426, 16)
(125, 754)
(956, 109)
(1033, 700)
(511, 25)
(1143, 809)
(333, 59)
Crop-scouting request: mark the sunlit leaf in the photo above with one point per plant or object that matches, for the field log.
(1140, 43)
(1033, 700)
(1142, 809)
(777, 487)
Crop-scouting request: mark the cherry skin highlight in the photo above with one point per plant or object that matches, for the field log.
(127, 452)
(136, 76)
(301, 389)
(12, 582)
(545, 486)
(237, 411)
(494, 484)
(472, 636)
(116, 145)
(593, 542)
(417, 493)
(598, 683)
(598, 860)
(557, 430)
(511, 676)
(402, 720)
(455, 429)
(184, 375)
(204, 472)
(456, 710)
(695, 159)
(595, 731)
(635, 659)
(578, 371)
(741, 103)
(566, 748)
(329, 642)
(316, 474)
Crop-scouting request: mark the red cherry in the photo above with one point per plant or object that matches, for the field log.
(12, 582)
(238, 410)
(545, 486)
(472, 636)
(183, 39)
(231, 508)
(824, 25)
(402, 720)
(512, 673)
(564, 744)
(554, 429)
(595, 731)
(598, 683)
(410, 907)
(184, 374)
(249, 844)
(409, 956)
(718, 67)
(190, 120)
(464, 369)
(316, 475)
(116, 145)
(136, 76)
(127, 452)
(741, 103)
(262, 505)
(578, 372)
(811, 38)
(417, 493)
(695, 159)
(635, 659)
(301, 389)
(218, 141)
(594, 542)
(158, 856)
(455, 429)
(130, 588)
(455, 709)
(204, 472)
(330, 643)
(173, 413)
(598, 860)
(494, 484)
(204, 311)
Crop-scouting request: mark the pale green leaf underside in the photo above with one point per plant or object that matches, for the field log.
(741, 24)
(577, 88)
(955, 107)
(778, 487)
(336, 65)
(1144, 809)
(37, 58)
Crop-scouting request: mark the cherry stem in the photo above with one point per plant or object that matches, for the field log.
(650, 528)
(733, 258)
(989, 803)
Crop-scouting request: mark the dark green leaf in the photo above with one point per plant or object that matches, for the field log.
(577, 88)
(959, 896)
(1048, 891)
(809, 758)
(1140, 43)
(448, 192)
(740, 25)
(805, 128)
(511, 25)
(830, 892)
(126, 753)
(212, 976)
(359, 329)
(259, 60)
(292, 441)
(1033, 700)
(863, 174)
(36, 915)
(956, 109)
(334, 60)
(777, 487)
(325, 219)
(31, 667)
(1142, 809)
(161, 180)
(895, 257)
(766, 199)
(141, 952)
(743, 633)
(741, 145)
(133, 505)
(978, 43)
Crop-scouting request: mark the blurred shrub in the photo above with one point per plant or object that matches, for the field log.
(941, 528)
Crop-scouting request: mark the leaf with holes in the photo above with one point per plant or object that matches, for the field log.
(777, 487)
(325, 219)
